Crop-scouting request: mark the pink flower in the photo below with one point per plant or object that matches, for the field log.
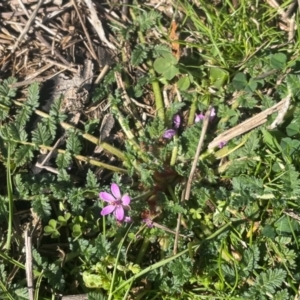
(169, 133)
(176, 121)
(200, 117)
(148, 222)
(117, 202)
(222, 144)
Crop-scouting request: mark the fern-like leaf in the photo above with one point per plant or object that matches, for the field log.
(33, 96)
(148, 19)
(91, 180)
(63, 160)
(23, 116)
(17, 133)
(23, 154)
(55, 111)
(41, 136)
(268, 281)
(73, 143)
(161, 50)
(139, 54)
(6, 91)
(41, 206)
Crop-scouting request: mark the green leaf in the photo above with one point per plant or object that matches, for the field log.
(61, 220)
(170, 72)
(7, 92)
(289, 146)
(33, 96)
(63, 160)
(41, 206)
(271, 140)
(147, 20)
(76, 230)
(183, 83)
(218, 77)
(161, 50)
(166, 66)
(286, 225)
(91, 180)
(139, 54)
(41, 136)
(73, 142)
(23, 155)
(240, 81)
(293, 129)
(269, 231)
(17, 133)
(268, 281)
(293, 83)
(251, 86)
(278, 61)
(52, 223)
(55, 110)
(23, 116)
(49, 230)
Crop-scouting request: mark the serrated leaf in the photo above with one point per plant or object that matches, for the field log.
(268, 281)
(41, 206)
(41, 136)
(63, 160)
(16, 133)
(139, 54)
(55, 110)
(91, 180)
(33, 96)
(23, 155)
(23, 116)
(161, 50)
(6, 91)
(148, 19)
(73, 143)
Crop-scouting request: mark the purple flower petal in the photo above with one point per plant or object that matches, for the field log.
(127, 220)
(222, 144)
(106, 197)
(125, 200)
(212, 114)
(199, 117)
(148, 222)
(115, 190)
(176, 121)
(107, 210)
(119, 213)
(169, 133)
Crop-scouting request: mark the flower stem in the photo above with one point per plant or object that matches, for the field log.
(192, 111)
(174, 151)
(10, 198)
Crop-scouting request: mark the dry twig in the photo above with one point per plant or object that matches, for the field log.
(28, 24)
(249, 124)
(197, 154)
